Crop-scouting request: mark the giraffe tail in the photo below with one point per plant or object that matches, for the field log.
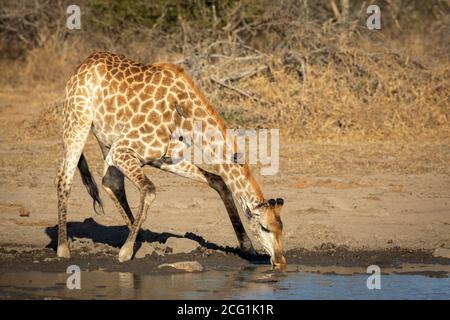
(90, 184)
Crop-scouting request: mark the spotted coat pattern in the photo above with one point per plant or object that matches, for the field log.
(133, 111)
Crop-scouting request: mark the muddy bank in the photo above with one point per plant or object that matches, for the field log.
(347, 203)
(344, 257)
(105, 258)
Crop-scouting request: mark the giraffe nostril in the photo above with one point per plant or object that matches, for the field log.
(180, 138)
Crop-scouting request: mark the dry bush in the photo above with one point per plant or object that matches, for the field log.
(301, 66)
(329, 85)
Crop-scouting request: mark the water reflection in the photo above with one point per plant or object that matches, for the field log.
(126, 284)
(249, 283)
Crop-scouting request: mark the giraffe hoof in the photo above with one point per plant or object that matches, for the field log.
(126, 252)
(63, 251)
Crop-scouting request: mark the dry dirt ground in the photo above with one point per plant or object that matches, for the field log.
(378, 198)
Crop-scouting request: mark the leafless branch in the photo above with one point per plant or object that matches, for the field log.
(245, 74)
(241, 92)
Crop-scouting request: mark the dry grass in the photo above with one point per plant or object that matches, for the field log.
(320, 79)
(348, 88)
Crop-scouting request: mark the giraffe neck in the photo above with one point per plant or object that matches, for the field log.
(243, 186)
(237, 177)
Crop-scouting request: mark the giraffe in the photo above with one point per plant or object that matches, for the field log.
(133, 111)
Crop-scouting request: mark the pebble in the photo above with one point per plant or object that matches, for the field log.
(23, 212)
(188, 266)
(181, 245)
(442, 253)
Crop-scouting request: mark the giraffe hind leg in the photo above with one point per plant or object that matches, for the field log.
(75, 134)
(114, 184)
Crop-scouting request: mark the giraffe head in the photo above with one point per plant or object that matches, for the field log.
(268, 228)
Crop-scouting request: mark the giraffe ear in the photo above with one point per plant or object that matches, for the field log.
(278, 206)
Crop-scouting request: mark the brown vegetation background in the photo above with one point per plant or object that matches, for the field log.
(310, 68)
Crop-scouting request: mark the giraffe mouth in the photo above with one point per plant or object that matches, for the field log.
(278, 260)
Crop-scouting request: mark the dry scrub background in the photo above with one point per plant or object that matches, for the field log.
(310, 68)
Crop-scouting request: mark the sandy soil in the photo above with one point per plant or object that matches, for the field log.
(353, 196)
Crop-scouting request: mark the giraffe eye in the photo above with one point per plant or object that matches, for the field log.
(264, 229)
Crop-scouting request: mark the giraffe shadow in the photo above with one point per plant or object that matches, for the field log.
(116, 236)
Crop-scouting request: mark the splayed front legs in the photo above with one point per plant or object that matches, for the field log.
(186, 169)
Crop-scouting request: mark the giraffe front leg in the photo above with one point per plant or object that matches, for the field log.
(130, 166)
(217, 183)
(62, 250)
(186, 169)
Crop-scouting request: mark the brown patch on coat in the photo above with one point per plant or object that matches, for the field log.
(137, 120)
(160, 93)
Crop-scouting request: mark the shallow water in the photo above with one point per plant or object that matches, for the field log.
(250, 283)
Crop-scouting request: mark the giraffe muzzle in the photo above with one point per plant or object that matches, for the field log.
(278, 260)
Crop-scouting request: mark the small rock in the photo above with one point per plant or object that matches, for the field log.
(23, 212)
(145, 250)
(181, 245)
(161, 249)
(105, 248)
(48, 259)
(442, 253)
(188, 266)
(150, 248)
(82, 244)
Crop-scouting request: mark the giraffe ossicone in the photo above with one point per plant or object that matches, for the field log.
(134, 111)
